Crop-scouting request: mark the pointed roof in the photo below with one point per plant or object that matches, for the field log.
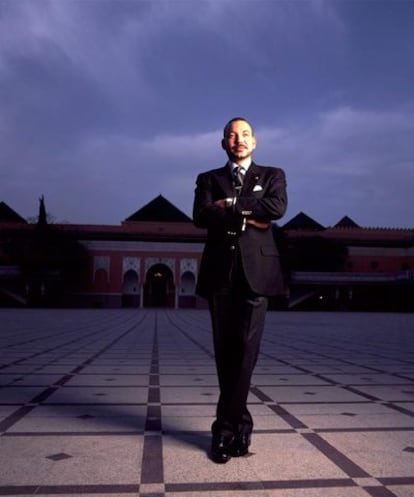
(42, 218)
(346, 222)
(8, 215)
(303, 222)
(159, 210)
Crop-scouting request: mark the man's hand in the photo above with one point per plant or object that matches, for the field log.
(258, 224)
(220, 203)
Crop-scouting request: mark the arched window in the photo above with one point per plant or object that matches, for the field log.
(130, 283)
(187, 283)
(130, 289)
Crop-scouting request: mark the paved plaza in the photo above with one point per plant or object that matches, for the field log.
(120, 403)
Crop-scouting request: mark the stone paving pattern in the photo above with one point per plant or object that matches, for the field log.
(120, 403)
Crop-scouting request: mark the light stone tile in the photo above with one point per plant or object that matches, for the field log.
(7, 379)
(37, 380)
(188, 395)
(118, 369)
(359, 422)
(380, 454)
(287, 380)
(319, 492)
(367, 379)
(172, 424)
(98, 395)
(222, 493)
(288, 456)
(18, 369)
(188, 410)
(100, 411)
(191, 379)
(184, 411)
(271, 369)
(108, 380)
(406, 405)
(269, 422)
(7, 410)
(99, 460)
(356, 416)
(402, 490)
(18, 395)
(82, 419)
(57, 369)
(337, 408)
(390, 393)
(340, 368)
(196, 368)
(310, 394)
(23, 460)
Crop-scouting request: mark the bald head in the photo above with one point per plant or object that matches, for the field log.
(227, 127)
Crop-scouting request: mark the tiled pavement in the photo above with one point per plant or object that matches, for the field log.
(120, 403)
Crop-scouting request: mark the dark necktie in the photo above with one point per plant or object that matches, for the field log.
(238, 177)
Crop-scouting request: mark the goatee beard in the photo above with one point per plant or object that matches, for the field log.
(240, 156)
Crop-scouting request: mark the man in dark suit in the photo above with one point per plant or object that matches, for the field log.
(239, 269)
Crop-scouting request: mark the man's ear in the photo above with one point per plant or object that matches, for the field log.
(254, 143)
(223, 144)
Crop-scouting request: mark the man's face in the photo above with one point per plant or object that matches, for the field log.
(239, 141)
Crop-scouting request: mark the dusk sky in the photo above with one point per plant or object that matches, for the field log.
(106, 104)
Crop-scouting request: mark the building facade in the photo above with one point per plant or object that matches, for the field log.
(152, 260)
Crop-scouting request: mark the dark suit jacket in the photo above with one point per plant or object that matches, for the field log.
(262, 198)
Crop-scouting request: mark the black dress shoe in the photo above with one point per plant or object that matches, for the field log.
(240, 445)
(220, 448)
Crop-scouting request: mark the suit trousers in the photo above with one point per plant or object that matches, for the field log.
(238, 318)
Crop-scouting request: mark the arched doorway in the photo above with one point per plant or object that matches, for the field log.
(159, 290)
(130, 289)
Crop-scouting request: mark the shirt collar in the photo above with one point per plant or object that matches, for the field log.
(244, 166)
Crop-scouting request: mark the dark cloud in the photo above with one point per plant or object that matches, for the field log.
(106, 104)
(54, 100)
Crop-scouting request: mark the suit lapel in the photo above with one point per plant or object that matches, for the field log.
(251, 179)
(225, 180)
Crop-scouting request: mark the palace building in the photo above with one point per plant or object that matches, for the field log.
(152, 258)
